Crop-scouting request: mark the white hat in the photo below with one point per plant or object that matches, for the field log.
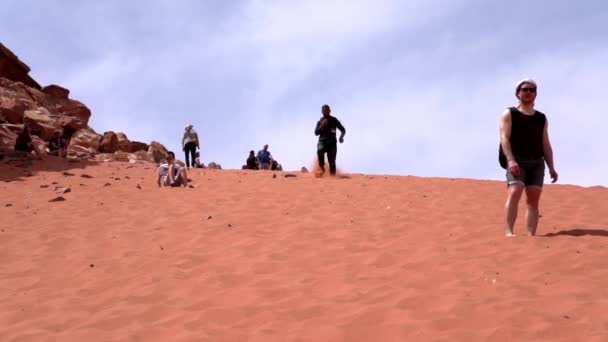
(525, 80)
(188, 126)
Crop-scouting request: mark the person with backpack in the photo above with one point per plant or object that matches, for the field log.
(524, 149)
(189, 145)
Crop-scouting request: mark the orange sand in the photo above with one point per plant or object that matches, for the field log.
(248, 257)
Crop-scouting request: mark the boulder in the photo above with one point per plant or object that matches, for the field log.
(41, 99)
(140, 156)
(85, 140)
(109, 143)
(138, 146)
(14, 100)
(215, 166)
(8, 136)
(104, 157)
(42, 122)
(304, 169)
(121, 156)
(70, 124)
(56, 91)
(76, 109)
(11, 109)
(157, 152)
(81, 152)
(123, 142)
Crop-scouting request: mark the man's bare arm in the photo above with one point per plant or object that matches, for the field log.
(548, 151)
(171, 178)
(158, 181)
(505, 134)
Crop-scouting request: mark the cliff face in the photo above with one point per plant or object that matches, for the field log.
(49, 108)
(13, 69)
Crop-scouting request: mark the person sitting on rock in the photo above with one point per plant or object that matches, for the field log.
(171, 174)
(252, 161)
(276, 166)
(58, 145)
(25, 143)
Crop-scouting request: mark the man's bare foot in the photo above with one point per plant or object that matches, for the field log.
(509, 234)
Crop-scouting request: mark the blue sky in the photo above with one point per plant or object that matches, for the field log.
(419, 85)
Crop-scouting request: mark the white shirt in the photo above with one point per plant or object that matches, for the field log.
(163, 171)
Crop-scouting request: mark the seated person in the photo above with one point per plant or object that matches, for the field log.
(171, 174)
(276, 166)
(252, 161)
(25, 143)
(58, 146)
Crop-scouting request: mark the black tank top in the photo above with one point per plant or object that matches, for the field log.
(527, 134)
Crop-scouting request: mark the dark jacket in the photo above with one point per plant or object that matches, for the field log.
(327, 134)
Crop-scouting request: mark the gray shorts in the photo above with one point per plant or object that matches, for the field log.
(531, 172)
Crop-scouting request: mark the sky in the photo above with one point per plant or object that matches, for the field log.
(419, 84)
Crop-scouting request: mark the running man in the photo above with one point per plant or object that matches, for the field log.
(326, 130)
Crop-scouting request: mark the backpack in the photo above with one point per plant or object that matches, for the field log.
(502, 159)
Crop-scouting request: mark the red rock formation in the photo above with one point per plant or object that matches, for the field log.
(109, 143)
(13, 69)
(48, 109)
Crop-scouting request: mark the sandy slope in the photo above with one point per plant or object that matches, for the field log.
(248, 257)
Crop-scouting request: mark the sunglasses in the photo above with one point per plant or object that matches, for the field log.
(528, 90)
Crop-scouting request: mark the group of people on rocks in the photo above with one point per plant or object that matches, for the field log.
(262, 161)
(56, 146)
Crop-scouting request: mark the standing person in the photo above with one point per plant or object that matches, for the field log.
(189, 145)
(264, 158)
(524, 142)
(326, 130)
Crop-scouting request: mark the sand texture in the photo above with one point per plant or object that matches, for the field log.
(245, 256)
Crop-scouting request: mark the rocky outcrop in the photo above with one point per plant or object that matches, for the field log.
(48, 109)
(138, 157)
(56, 91)
(139, 146)
(157, 152)
(8, 135)
(84, 143)
(42, 122)
(14, 69)
(109, 143)
(123, 142)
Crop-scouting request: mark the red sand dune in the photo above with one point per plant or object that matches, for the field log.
(248, 257)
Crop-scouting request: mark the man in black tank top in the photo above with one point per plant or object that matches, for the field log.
(524, 141)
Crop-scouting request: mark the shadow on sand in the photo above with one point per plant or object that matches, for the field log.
(15, 166)
(579, 232)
